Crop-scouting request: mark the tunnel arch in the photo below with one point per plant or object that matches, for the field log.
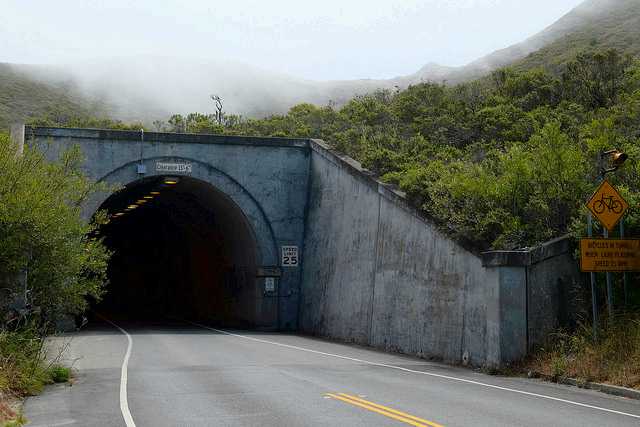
(250, 207)
(221, 240)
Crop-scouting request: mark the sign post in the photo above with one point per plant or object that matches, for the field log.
(607, 275)
(594, 290)
(624, 275)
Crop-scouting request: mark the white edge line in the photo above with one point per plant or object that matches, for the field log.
(124, 403)
(399, 368)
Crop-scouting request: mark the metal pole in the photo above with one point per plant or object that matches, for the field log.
(605, 234)
(594, 295)
(624, 275)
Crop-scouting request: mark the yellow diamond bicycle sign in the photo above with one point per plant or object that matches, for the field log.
(607, 205)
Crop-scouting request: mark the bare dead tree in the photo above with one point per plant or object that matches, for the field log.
(219, 110)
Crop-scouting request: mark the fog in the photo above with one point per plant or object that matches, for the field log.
(152, 58)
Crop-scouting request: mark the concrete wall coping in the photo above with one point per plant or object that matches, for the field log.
(529, 256)
(164, 137)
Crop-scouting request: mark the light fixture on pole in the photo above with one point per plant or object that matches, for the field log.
(614, 158)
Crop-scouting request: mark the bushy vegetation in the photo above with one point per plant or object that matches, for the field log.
(87, 122)
(502, 163)
(614, 358)
(49, 261)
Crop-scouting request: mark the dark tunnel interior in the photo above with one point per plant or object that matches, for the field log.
(181, 249)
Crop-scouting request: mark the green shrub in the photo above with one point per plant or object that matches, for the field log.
(59, 374)
(44, 240)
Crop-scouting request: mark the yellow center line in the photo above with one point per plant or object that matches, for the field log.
(383, 410)
(394, 411)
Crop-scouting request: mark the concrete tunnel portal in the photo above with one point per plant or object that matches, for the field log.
(286, 234)
(181, 248)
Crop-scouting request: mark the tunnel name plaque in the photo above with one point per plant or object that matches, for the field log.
(174, 167)
(609, 255)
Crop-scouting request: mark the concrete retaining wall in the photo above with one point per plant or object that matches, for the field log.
(377, 273)
(542, 283)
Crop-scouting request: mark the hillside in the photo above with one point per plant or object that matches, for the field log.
(25, 94)
(149, 88)
(595, 25)
(184, 87)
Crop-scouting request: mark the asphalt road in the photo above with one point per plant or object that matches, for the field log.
(186, 375)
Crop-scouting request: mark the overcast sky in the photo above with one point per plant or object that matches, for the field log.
(326, 39)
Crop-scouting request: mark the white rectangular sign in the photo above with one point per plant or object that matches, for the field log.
(174, 167)
(290, 256)
(270, 284)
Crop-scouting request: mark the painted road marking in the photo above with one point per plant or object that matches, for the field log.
(383, 410)
(430, 374)
(124, 403)
(395, 411)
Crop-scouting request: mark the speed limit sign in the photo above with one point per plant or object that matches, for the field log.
(290, 256)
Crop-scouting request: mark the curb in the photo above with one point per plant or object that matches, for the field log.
(604, 388)
(614, 390)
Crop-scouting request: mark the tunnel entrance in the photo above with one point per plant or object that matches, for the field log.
(181, 248)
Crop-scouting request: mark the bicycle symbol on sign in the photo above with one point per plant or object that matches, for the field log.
(609, 203)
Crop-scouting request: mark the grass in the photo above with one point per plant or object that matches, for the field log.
(24, 371)
(613, 359)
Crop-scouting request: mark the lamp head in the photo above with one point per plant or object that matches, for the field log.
(616, 159)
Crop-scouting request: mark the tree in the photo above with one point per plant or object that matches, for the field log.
(177, 123)
(595, 80)
(219, 111)
(49, 256)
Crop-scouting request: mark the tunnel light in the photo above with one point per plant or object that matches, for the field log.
(171, 181)
(155, 193)
(141, 201)
(118, 214)
(148, 197)
(131, 207)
